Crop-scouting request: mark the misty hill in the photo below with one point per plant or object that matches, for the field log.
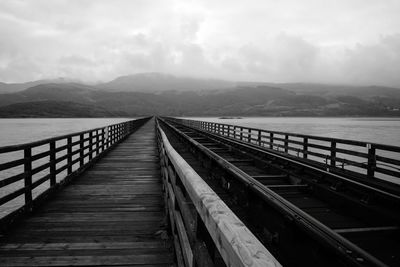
(17, 87)
(157, 82)
(55, 109)
(333, 90)
(240, 101)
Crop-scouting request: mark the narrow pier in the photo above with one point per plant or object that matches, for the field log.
(173, 192)
(111, 215)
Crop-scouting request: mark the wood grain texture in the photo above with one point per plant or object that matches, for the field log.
(111, 215)
(236, 244)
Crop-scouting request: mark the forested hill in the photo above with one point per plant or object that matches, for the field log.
(77, 100)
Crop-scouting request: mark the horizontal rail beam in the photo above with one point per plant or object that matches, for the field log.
(363, 159)
(236, 244)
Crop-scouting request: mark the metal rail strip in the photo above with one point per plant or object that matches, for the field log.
(234, 242)
(354, 255)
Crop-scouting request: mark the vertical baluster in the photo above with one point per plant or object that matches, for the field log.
(305, 147)
(271, 140)
(69, 155)
(371, 160)
(28, 177)
(81, 144)
(97, 142)
(103, 139)
(259, 138)
(90, 145)
(241, 133)
(286, 144)
(249, 136)
(333, 153)
(234, 132)
(109, 136)
(112, 135)
(52, 163)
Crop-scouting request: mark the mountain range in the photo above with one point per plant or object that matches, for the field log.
(161, 94)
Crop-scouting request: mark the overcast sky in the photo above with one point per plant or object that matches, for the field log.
(338, 41)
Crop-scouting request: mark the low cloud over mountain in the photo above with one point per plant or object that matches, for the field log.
(150, 94)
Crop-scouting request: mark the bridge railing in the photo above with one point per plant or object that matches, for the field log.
(354, 157)
(28, 172)
(204, 229)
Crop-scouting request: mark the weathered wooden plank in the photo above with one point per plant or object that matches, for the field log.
(236, 244)
(109, 216)
(87, 260)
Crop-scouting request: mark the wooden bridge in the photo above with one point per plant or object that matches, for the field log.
(171, 192)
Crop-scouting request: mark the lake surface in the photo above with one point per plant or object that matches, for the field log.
(376, 130)
(18, 131)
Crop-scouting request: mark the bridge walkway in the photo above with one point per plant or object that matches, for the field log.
(113, 214)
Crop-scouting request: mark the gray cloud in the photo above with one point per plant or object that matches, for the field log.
(286, 41)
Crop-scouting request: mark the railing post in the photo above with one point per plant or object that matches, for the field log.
(52, 163)
(241, 133)
(249, 136)
(118, 132)
(271, 140)
(259, 137)
(90, 145)
(305, 147)
(110, 136)
(81, 154)
(286, 143)
(28, 177)
(234, 132)
(97, 142)
(371, 160)
(103, 139)
(69, 155)
(333, 153)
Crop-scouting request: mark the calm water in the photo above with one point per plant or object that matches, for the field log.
(376, 130)
(17, 131)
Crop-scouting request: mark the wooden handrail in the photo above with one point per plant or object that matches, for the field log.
(233, 240)
(358, 158)
(72, 153)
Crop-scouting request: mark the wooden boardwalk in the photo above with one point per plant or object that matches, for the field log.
(112, 215)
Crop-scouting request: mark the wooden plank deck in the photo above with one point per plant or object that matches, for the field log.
(112, 215)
